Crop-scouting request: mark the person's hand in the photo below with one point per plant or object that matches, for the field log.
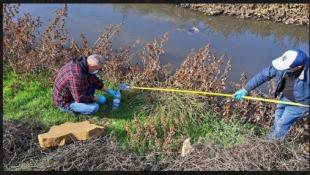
(123, 86)
(112, 92)
(239, 94)
(101, 99)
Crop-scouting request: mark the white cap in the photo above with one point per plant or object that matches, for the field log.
(290, 59)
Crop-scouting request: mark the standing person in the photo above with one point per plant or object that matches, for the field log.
(75, 85)
(291, 71)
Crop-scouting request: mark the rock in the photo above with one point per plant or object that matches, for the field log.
(186, 148)
(216, 12)
(65, 133)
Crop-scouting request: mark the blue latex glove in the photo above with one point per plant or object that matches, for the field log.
(123, 86)
(112, 92)
(239, 94)
(101, 99)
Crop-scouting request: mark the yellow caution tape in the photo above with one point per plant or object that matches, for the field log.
(220, 94)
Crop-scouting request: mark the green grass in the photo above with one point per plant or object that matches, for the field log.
(25, 99)
(29, 98)
(219, 131)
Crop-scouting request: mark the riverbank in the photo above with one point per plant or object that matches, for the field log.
(152, 125)
(297, 14)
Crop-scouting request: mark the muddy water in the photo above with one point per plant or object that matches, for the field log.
(250, 44)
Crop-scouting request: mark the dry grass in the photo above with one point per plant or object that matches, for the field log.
(102, 153)
(20, 142)
(254, 155)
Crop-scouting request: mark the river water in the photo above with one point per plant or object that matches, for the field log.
(251, 45)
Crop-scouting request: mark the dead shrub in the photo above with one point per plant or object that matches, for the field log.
(96, 154)
(254, 155)
(20, 142)
(19, 37)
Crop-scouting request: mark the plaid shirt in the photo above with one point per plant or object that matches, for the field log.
(72, 82)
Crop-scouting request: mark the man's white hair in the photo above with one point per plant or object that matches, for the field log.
(98, 59)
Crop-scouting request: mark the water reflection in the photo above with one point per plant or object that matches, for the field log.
(250, 44)
(225, 25)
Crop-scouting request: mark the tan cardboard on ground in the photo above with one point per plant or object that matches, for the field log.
(65, 133)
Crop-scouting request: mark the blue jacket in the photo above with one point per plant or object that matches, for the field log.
(301, 86)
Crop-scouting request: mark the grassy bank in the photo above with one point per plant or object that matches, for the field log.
(30, 99)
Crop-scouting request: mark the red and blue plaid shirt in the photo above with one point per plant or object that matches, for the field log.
(72, 83)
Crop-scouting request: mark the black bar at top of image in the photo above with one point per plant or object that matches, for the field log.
(155, 1)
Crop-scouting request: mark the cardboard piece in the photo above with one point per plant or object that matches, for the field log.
(65, 133)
